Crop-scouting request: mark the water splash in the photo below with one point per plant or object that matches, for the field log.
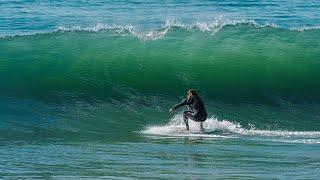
(175, 127)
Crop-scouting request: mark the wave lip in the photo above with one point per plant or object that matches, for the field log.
(212, 27)
(154, 33)
(175, 127)
(306, 28)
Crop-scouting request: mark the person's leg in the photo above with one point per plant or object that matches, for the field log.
(201, 126)
(186, 115)
(200, 119)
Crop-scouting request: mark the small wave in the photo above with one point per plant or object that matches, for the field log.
(176, 127)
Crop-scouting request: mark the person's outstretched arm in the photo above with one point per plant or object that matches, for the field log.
(183, 102)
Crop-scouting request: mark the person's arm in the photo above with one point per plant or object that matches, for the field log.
(183, 102)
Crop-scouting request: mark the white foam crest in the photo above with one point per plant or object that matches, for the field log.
(156, 33)
(305, 28)
(272, 25)
(124, 30)
(98, 27)
(213, 26)
(176, 127)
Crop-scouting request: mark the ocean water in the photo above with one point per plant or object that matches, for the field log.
(85, 88)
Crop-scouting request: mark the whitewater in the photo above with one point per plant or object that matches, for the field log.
(214, 128)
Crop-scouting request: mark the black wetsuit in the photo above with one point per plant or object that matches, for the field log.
(197, 111)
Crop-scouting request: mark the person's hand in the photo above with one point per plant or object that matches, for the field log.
(171, 110)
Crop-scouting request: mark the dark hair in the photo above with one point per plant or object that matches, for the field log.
(195, 95)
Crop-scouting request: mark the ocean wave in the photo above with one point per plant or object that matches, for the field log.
(87, 65)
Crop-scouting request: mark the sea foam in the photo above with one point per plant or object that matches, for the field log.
(224, 128)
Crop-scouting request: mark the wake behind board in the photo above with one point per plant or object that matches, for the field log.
(179, 132)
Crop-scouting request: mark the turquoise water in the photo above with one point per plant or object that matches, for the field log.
(86, 87)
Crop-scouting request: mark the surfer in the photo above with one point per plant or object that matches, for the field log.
(196, 111)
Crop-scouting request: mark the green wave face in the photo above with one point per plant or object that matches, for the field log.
(237, 62)
(107, 85)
